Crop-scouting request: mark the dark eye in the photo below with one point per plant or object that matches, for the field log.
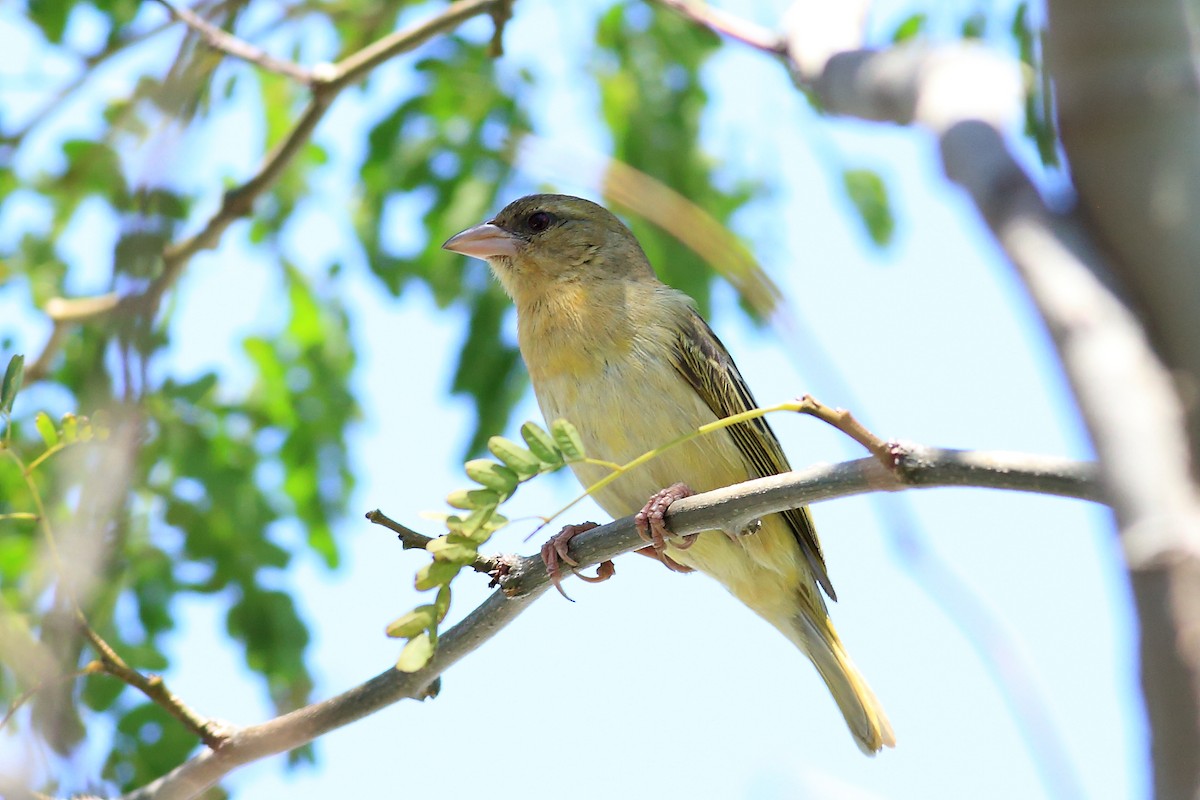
(538, 221)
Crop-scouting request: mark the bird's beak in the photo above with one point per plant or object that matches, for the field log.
(483, 241)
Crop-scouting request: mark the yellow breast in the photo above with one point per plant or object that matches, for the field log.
(608, 369)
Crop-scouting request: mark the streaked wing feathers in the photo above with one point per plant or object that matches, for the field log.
(707, 366)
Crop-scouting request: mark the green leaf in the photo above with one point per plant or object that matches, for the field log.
(415, 654)
(517, 458)
(453, 549)
(436, 573)
(910, 28)
(566, 437)
(471, 499)
(541, 444)
(479, 525)
(442, 603)
(14, 374)
(70, 428)
(419, 619)
(45, 428)
(494, 476)
(869, 195)
(51, 17)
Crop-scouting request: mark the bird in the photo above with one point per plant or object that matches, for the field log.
(632, 365)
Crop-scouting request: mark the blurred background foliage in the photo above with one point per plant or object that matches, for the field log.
(209, 472)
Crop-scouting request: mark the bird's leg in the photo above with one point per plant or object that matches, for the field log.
(555, 550)
(652, 526)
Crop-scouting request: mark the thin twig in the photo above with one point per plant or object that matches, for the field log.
(501, 14)
(411, 540)
(353, 67)
(527, 579)
(229, 44)
(729, 25)
(212, 733)
(846, 422)
(326, 81)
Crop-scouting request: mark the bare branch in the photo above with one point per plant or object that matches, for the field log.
(501, 14)
(350, 69)
(965, 95)
(326, 81)
(229, 44)
(718, 21)
(210, 732)
(527, 580)
(848, 424)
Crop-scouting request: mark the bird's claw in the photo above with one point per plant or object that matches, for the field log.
(666, 560)
(652, 526)
(556, 550)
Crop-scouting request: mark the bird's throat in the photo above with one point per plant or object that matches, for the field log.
(572, 329)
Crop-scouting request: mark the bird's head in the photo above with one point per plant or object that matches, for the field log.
(546, 240)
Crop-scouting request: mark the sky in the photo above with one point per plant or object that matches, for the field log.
(658, 683)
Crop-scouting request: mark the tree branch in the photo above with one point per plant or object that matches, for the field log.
(411, 540)
(966, 95)
(325, 81)
(726, 24)
(726, 509)
(208, 731)
(231, 45)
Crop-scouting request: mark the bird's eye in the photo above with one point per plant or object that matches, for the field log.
(538, 221)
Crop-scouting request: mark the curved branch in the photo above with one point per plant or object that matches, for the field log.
(231, 45)
(1129, 399)
(326, 82)
(729, 508)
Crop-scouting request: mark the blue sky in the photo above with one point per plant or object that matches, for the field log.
(655, 682)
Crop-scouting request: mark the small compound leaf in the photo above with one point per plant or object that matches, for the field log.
(566, 436)
(436, 573)
(517, 458)
(471, 499)
(491, 475)
(452, 548)
(419, 619)
(442, 603)
(415, 654)
(541, 444)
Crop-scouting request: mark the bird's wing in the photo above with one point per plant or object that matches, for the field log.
(706, 365)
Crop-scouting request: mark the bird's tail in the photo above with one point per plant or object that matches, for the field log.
(863, 712)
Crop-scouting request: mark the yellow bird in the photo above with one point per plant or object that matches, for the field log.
(631, 363)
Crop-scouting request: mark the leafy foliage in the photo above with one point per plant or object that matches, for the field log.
(466, 533)
(196, 483)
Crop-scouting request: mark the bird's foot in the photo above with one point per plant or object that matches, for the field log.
(652, 526)
(556, 550)
(666, 560)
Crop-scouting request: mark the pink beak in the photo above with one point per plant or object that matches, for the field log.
(483, 241)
